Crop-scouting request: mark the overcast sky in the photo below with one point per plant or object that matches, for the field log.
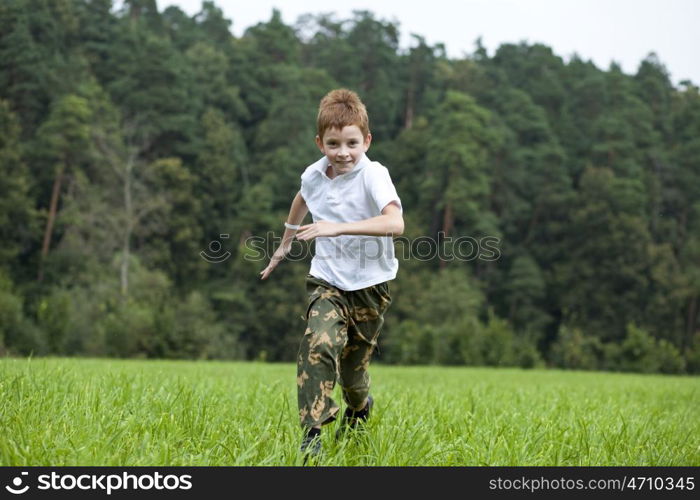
(624, 31)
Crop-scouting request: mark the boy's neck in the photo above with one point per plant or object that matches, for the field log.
(329, 172)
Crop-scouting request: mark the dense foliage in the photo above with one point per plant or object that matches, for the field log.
(131, 140)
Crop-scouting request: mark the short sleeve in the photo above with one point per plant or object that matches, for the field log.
(307, 182)
(381, 189)
(304, 188)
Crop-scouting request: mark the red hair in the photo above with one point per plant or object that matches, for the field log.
(341, 108)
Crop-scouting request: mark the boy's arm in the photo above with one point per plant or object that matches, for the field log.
(390, 223)
(297, 212)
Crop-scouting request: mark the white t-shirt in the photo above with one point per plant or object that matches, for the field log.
(351, 262)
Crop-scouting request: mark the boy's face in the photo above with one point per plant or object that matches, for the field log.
(344, 148)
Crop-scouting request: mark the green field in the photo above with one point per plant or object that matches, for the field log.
(63, 412)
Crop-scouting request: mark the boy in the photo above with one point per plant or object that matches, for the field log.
(356, 211)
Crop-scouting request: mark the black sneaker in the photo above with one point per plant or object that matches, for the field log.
(353, 417)
(311, 443)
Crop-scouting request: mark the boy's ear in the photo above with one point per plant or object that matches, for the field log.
(368, 141)
(319, 143)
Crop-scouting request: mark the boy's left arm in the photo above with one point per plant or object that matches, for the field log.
(390, 223)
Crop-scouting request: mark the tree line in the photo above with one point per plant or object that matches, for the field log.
(141, 150)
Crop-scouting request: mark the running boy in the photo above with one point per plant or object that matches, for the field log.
(356, 211)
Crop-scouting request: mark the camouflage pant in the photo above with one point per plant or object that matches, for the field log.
(341, 334)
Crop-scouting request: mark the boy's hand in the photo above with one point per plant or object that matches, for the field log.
(318, 229)
(277, 257)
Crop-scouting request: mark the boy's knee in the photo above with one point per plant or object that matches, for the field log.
(322, 343)
(326, 324)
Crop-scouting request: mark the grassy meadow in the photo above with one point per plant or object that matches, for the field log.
(61, 412)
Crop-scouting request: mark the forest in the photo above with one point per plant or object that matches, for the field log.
(141, 151)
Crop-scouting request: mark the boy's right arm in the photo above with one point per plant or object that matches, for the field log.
(297, 212)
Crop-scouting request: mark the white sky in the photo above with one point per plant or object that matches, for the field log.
(624, 31)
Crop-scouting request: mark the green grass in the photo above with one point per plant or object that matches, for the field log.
(59, 412)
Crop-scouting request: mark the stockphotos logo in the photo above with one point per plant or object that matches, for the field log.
(16, 487)
(103, 482)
